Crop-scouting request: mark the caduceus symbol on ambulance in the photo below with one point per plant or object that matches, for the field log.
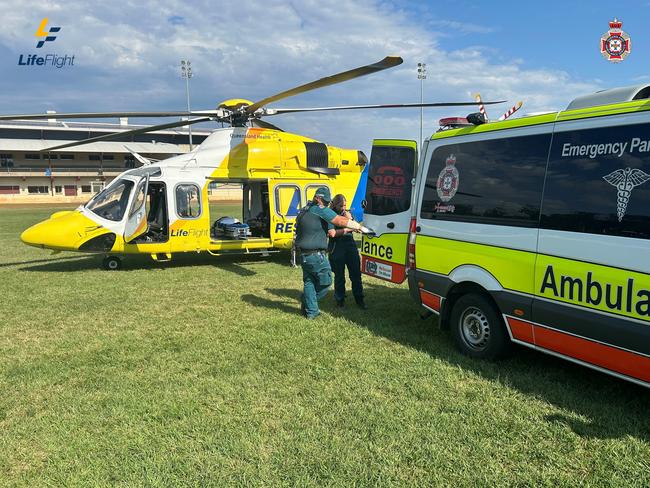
(625, 180)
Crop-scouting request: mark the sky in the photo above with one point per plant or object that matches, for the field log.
(127, 57)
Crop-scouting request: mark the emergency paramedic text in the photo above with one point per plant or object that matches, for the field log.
(618, 148)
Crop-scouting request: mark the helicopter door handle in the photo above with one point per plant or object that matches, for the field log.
(390, 225)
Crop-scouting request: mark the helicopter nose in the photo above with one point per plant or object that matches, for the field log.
(31, 236)
(43, 234)
(61, 231)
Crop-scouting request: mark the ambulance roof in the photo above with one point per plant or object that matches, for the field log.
(599, 104)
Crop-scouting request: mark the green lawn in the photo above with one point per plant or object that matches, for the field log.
(202, 372)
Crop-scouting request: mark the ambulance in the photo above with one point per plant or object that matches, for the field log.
(533, 231)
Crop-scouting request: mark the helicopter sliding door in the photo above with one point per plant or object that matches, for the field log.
(286, 203)
(388, 208)
(136, 221)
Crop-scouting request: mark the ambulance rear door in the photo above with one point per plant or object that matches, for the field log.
(387, 209)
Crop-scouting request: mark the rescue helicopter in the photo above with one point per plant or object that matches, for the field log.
(161, 208)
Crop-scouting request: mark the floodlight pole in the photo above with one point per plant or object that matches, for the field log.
(186, 73)
(422, 75)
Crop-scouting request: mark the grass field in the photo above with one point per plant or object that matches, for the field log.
(202, 372)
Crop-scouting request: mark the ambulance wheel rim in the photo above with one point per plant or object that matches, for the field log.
(112, 263)
(475, 328)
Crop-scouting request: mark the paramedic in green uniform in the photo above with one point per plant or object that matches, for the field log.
(312, 224)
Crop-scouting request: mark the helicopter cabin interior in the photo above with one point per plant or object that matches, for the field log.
(246, 217)
(157, 215)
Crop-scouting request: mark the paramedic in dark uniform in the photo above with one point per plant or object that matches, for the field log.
(343, 253)
(312, 224)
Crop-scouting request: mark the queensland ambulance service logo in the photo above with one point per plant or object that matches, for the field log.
(615, 44)
(448, 180)
(41, 32)
(625, 180)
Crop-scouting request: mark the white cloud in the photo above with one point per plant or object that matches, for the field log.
(127, 56)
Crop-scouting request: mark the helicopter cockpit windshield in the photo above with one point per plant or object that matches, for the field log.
(112, 201)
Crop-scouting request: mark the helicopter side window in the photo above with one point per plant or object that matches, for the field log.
(111, 202)
(287, 200)
(310, 191)
(188, 201)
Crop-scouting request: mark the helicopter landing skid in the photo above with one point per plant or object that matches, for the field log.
(261, 252)
(161, 257)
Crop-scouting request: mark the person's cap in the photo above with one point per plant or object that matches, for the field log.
(324, 193)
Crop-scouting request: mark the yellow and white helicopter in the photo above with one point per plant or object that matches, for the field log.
(161, 208)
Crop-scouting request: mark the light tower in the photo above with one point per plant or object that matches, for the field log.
(422, 75)
(186, 73)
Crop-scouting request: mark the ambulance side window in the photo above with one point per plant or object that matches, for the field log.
(497, 181)
(598, 182)
(188, 201)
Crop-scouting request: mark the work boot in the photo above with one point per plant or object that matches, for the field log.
(361, 304)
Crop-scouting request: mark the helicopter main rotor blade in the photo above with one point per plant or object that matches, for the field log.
(117, 135)
(387, 62)
(279, 111)
(105, 115)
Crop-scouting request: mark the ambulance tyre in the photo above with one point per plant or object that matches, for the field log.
(478, 329)
(111, 263)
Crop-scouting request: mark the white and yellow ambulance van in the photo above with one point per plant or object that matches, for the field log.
(534, 230)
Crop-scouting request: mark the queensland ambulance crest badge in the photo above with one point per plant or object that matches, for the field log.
(448, 180)
(615, 44)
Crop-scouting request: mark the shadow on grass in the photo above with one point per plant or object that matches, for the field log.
(597, 405)
(35, 261)
(284, 306)
(235, 263)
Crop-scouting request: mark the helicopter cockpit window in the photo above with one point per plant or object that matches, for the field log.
(111, 202)
(139, 197)
(188, 201)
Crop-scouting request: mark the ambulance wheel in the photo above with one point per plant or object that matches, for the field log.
(478, 329)
(111, 263)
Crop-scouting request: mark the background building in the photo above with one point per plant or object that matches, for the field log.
(75, 174)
